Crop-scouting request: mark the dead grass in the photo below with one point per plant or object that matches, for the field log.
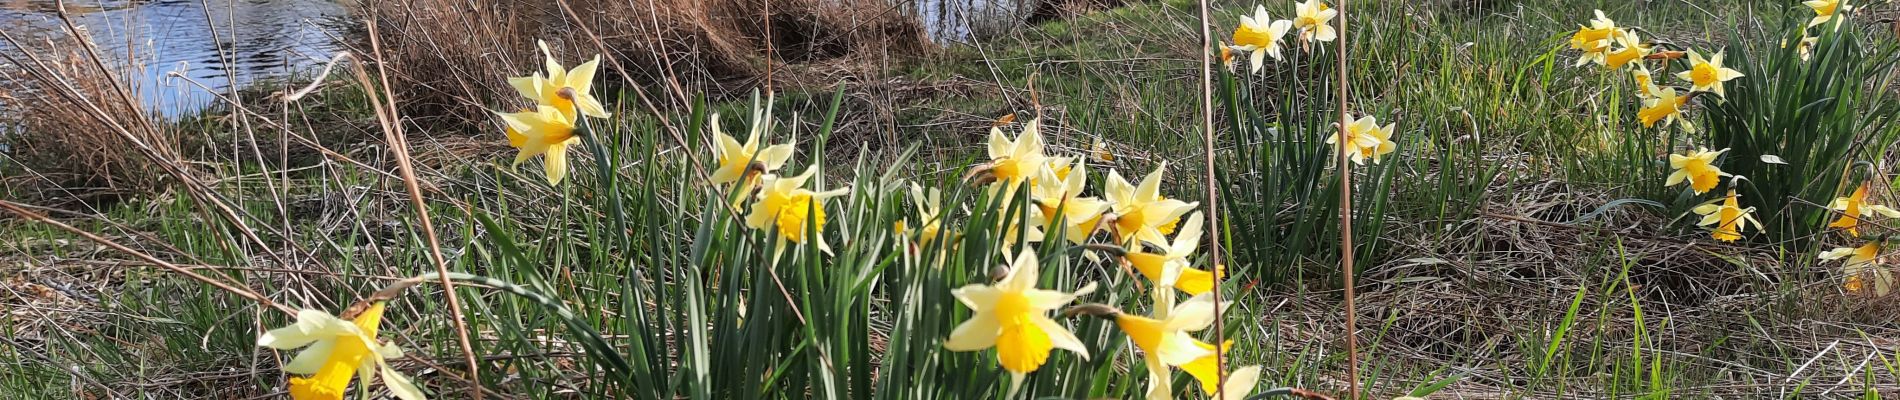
(79, 133)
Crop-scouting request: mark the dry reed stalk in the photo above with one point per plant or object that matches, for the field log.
(1345, 218)
(1213, 193)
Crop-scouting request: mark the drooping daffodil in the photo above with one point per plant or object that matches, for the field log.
(739, 161)
(1854, 207)
(541, 131)
(1172, 266)
(1314, 20)
(1861, 261)
(338, 351)
(566, 90)
(1632, 49)
(1239, 384)
(1707, 74)
(1697, 167)
(1666, 107)
(1729, 218)
(1012, 316)
(1259, 35)
(1052, 193)
(1164, 339)
(786, 205)
(1645, 83)
(1140, 212)
(1824, 11)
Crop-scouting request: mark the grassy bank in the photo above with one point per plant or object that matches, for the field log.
(1503, 253)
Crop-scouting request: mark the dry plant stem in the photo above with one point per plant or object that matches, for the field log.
(1213, 209)
(392, 130)
(1345, 219)
(247, 293)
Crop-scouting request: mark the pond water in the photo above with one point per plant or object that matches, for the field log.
(259, 39)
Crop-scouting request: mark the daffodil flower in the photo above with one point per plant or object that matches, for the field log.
(1645, 83)
(1164, 339)
(1707, 74)
(1227, 57)
(785, 204)
(1314, 19)
(1013, 317)
(1665, 107)
(1729, 218)
(1854, 207)
(1594, 39)
(336, 351)
(1140, 212)
(739, 160)
(1632, 49)
(1824, 11)
(1015, 161)
(1860, 261)
(929, 210)
(1259, 35)
(1171, 267)
(1053, 194)
(542, 131)
(1697, 167)
(1367, 138)
(565, 90)
(1205, 370)
(1240, 384)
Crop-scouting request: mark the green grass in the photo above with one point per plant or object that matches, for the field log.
(687, 302)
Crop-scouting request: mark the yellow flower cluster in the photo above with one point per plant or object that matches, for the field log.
(1011, 314)
(1861, 263)
(1259, 34)
(1604, 43)
(548, 127)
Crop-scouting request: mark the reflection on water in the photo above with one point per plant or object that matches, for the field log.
(951, 21)
(258, 39)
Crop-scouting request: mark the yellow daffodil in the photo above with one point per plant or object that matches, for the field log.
(543, 131)
(1824, 11)
(1052, 194)
(1632, 49)
(1164, 339)
(1806, 47)
(1171, 267)
(1697, 167)
(740, 160)
(1100, 152)
(1240, 383)
(1645, 83)
(1729, 218)
(565, 90)
(1665, 107)
(929, 210)
(1259, 35)
(337, 352)
(1594, 39)
(1013, 317)
(1854, 207)
(1707, 74)
(1314, 19)
(1227, 57)
(1367, 138)
(1015, 161)
(1140, 212)
(1861, 261)
(785, 204)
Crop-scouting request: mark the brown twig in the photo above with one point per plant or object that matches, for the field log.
(1345, 218)
(1213, 211)
(392, 131)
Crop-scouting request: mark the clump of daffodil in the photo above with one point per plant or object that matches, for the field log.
(1164, 339)
(1707, 74)
(1259, 35)
(1314, 20)
(1854, 207)
(1059, 194)
(740, 161)
(1631, 51)
(1697, 167)
(1861, 261)
(1729, 218)
(541, 131)
(786, 205)
(1013, 317)
(1367, 138)
(1665, 107)
(1172, 264)
(1140, 212)
(337, 351)
(565, 90)
(1014, 161)
(1824, 11)
(1595, 39)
